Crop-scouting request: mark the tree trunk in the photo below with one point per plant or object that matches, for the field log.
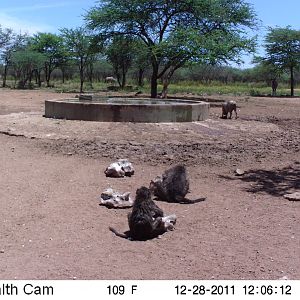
(63, 75)
(81, 72)
(292, 82)
(36, 76)
(119, 79)
(81, 80)
(30, 86)
(140, 77)
(90, 74)
(123, 78)
(47, 74)
(4, 76)
(39, 78)
(164, 93)
(81, 86)
(166, 82)
(154, 80)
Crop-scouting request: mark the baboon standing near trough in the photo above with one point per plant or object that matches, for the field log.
(145, 219)
(228, 107)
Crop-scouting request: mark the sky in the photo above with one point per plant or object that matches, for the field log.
(273, 13)
(33, 16)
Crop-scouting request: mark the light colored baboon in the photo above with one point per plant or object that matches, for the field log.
(110, 79)
(228, 107)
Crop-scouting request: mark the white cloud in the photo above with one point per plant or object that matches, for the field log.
(23, 26)
(36, 7)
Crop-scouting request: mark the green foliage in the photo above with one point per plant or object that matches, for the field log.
(25, 62)
(48, 43)
(5, 36)
(10, 42)
(218, 88)
(254, 92)
(79, 44)
(177, 32)
(51, 45)
(120, 54)
(282, 47)
(141, 61)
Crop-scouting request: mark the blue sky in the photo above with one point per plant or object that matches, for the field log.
(274, 13)
(48, 16)
(43, 15)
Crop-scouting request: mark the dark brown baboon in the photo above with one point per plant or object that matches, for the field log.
(145, 219)
(173, 186)
(228, 107)
(274, 86)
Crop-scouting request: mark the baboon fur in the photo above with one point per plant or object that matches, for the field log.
(227, 108)
(173, 186)
(145, 219)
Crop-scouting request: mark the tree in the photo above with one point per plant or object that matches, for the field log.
(5, 36)
(79, 44)
(14, 42)
(120, 53)
(282, 47)
(177, 31)
(141, 61)
(25, 62)
(264, 71)
(51, 45)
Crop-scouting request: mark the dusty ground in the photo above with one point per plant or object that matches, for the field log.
(52, 175)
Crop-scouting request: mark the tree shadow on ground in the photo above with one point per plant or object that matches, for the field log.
(273, 182)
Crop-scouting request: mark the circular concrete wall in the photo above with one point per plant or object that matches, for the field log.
(127, 110)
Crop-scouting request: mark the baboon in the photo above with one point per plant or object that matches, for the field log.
(145, 219)
(274, 87)
(228, 107)
(110, 79)
(173, 186)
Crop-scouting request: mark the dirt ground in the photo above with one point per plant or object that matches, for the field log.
(52, 226)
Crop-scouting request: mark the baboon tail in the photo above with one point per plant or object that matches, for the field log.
(122, 235)
(189, 201)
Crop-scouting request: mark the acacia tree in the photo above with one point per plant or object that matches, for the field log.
(141, 61)
(79, 43)
(9, 43)
(177, 31)
(25, 62)
(6, 38)
(51, 46)
(120, 52)
(282, 47)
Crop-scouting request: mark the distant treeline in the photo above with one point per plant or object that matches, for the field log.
(204, 74)
(78, 55)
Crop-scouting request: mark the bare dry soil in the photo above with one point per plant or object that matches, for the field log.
(52, 174)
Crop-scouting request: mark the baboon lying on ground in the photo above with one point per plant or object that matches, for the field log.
(228, 107)
(173, 186)
(146, 219)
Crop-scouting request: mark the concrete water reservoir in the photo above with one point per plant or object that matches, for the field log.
(122, 109)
